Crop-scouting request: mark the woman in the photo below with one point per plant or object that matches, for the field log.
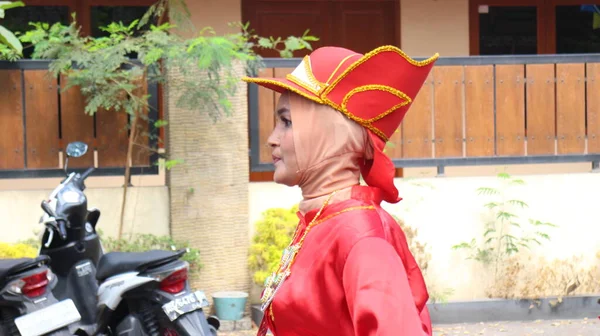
(348, 269)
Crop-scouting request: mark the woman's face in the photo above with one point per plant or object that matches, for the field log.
(281, 141)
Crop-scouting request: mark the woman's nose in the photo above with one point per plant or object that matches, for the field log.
(273, 140)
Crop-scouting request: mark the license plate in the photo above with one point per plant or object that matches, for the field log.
(185, 304)
(48, 319)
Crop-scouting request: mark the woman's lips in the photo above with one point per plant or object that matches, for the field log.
(276, 159)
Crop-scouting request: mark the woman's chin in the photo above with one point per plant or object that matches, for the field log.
(281, 177)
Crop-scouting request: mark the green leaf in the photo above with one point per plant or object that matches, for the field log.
(488, 231)
(491, 205)
(543, 235)
(160, 123)
(517, 181)
(8, 38)
(505, 215)
(504, 175)
(169, 164)
(4, 5)
(515, 224)
(518, 203)
(462, 245)
(265, 42)
(487, 191)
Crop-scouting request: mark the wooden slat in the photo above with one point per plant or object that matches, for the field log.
(41, 106)
(510, 110)
(570, 108)
(541, 118)
(266, 111)
(448, 108)
(11, 120)
(111, 138)
(593, 107)
(141, 152)
(75, 124)
(417, 124)
(479, 110)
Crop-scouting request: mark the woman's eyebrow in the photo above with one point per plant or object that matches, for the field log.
(282, 110)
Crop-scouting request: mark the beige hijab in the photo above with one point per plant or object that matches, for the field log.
(329, 148)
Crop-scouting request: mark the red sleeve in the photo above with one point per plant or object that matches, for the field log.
(377, 291)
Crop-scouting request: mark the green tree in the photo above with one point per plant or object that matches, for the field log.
(10, 47)
(108, 76)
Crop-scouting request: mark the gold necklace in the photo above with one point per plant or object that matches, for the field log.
(277, 278)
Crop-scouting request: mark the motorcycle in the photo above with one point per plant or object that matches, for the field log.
(117, 293)
(27, 306)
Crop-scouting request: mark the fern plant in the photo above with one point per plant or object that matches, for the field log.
(507, 234)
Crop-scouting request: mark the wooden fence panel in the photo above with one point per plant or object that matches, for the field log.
(41, 106)
(593, 107)
(541, 118)
(266, 112)
(570, 108)
(479, 110)
(140, 154)
(417, 124)
(11, 120)
(510, 110)
(112, 138)
(448, 108)
(394, 147)
(76, 125)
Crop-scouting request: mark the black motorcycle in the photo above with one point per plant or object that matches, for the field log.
(27, 306)
(116, 293)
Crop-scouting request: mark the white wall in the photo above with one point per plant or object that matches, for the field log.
(447, 210)
(147, 211)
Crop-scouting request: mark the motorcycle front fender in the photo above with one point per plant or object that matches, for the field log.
(194, 323)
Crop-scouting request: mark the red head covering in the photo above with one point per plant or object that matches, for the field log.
(375, 90)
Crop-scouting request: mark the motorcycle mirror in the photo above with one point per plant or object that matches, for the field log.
(75, 149)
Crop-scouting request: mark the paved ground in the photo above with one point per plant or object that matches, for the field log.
(547, 328)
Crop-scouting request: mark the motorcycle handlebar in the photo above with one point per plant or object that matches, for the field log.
(61, 223)
(87, 173)
(80, 180)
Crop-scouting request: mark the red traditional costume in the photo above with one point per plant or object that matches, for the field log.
(348, 270)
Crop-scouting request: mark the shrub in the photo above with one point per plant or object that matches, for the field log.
(417, 248)
(18, 250)
(146, 242)
(274, 232)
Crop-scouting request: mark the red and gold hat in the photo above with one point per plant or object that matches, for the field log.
(375, 90)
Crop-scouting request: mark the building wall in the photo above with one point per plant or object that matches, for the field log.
(147, 211)
(430, 26)
(447, 211)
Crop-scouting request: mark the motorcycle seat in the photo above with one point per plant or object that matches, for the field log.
(114, 263)
(9, 267)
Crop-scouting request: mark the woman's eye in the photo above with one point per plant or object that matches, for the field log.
(286, 122)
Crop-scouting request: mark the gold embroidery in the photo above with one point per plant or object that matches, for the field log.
(376, 87)
(338, 67)
(300, 83)
(282, 85)
(311, 225)
(362, 207)
(309, 73)
(375, 52)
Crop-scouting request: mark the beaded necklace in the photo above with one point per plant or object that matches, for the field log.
(277, 278)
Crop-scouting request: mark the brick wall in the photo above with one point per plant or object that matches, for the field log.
(209, 191)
